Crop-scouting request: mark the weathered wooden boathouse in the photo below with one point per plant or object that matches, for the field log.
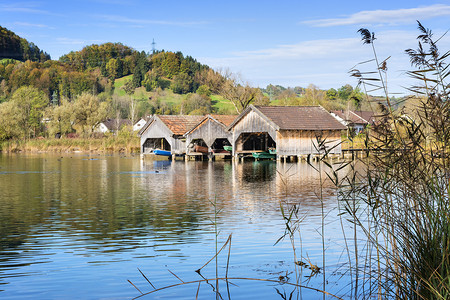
(210, 136)
(166, 132)
(288, 130)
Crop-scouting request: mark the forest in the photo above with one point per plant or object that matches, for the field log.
(44, 97)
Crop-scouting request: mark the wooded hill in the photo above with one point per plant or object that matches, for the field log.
(14, 47)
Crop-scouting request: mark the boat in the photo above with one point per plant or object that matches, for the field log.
(272, 150)
(228, 148)
(220, 151)
(162, 152)
(263, 155)
(200, 149)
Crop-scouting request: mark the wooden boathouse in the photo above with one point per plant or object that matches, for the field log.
(210, 136)
(290, 131)
(166, 132)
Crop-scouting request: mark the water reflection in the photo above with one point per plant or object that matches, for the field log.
(95, 214)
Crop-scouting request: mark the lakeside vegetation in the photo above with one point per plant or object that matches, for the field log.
(103, 145)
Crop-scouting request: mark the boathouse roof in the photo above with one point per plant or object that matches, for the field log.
(177, 124)
(223, 120)
(294, 117)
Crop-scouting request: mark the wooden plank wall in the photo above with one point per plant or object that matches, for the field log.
(252, 122)
(209, 132)
(299, 142)
(158, 130)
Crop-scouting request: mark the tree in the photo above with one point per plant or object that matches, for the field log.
(9, 126)
(196, 104)
(241, 95)
(345, 91)
(170, 65)
(287, 96)
(332, 94)
(204, 90)
(182, 83)
(88, 112)
(30, 103)
(61, 118)
(140, 69)
(314, 95)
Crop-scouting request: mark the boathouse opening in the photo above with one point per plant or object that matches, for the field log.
(151, 144)
(219, 144)
(254, 141)
(198, 146)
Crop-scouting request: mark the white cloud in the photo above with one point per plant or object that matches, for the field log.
(22, 8)
(137, 22)
(399, 16)
(32, 25)
(324, 63)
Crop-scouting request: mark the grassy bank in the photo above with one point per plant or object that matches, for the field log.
(111, 144)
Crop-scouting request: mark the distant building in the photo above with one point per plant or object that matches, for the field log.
(112, 125)
(141, 123)
(354, 120)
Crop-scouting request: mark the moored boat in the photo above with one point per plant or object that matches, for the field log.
(228, 148)
(200, 149)
(263, 155)
(162, 152)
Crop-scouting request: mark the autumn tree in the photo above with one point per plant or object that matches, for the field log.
(241, 95)
(29, 104)
(61, 118)
(332, 94)
(182, 83)
(287, 97)
(9, 126)
(314, 95)
(196, 104)
(88, 112)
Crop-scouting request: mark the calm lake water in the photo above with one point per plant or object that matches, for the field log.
(78, 227)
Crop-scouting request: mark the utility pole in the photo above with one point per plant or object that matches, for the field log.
(153, 46)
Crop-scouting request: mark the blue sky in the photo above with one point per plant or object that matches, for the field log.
(291, 43)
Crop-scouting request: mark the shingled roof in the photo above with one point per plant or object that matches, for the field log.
(224, 119)
(180, 124)
(297, 117)
(115, 124)
(349, 116)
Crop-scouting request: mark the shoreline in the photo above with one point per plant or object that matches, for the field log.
(127, 145)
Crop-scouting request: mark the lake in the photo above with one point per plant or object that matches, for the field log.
(79, 226)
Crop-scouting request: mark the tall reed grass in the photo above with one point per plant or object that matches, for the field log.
(405, 187)
(108, 144)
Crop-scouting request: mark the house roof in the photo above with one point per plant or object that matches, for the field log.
(180, 124)
(296, 117)
(349, 117)
(369, 116)
(114, 124)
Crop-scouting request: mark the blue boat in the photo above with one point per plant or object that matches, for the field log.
(162, 152)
